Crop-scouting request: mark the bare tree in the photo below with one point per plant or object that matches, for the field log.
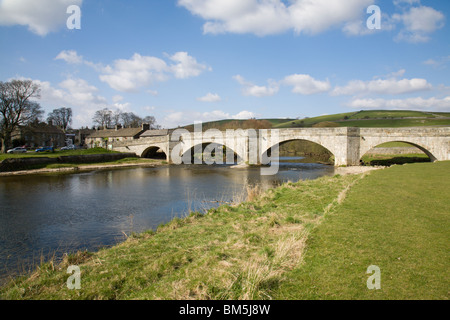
(103, 118)
(130, 120)
(16, 108)
(61, 118)
(116, 118)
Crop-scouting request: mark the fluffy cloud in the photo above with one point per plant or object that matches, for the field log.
(265, 17)
(69, 56)
(418, 103)
(139, 71)
(250, 89)
(129, 75)
(79, 95)
(305, 84)
(418, 23)
(210, 97)
(383, 86)
(41, 17)
(413, 21)
(186, 66)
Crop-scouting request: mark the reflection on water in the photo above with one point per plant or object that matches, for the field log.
(41, 215)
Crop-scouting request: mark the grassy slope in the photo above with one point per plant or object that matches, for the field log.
(376, 118)
(397, 219)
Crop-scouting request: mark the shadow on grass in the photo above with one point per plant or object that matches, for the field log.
(396, 160)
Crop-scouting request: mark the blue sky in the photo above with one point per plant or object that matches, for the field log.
(200, 60)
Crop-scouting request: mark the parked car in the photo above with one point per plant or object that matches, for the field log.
(44, 149)
(71, 147)
(17, 150)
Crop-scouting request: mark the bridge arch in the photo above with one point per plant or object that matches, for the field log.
(210, 147)
(329, 153)
(425, 149)
(154, 152)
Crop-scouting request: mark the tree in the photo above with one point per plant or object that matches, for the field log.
(131, 120)
(152, 122)
(16, 107)
(61, 118)
(103, 118)
(116, 118)
(107, 118)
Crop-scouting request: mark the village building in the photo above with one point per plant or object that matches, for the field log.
(39, 135)
(106, 137)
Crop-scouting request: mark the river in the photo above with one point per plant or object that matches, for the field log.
(51, 214)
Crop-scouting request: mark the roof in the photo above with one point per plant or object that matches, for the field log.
(42, 128)
(127, 132)
(155, 133)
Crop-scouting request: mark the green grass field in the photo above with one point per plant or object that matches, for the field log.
(307, 240)
(397, 219)
(57, 153)
(373, 119)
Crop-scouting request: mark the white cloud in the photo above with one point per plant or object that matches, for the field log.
(305, 84)
(439, 62)
(139, 71)
(383, 86)
(117, 98)
(186, 66)
(78, 94)
(210, 97)
(265, 17)
(243, 115)
(129, 75)
(250, 89)
(70, 56)
(41, 17)
(418, 23)
(418, 103)
(359, 27)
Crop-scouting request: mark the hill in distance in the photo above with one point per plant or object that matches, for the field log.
(362, 119)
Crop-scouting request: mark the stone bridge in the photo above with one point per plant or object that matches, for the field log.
(347, 145)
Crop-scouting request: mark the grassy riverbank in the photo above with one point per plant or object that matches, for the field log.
(83, 160)
(75, 167)
(306, 240)
(56, 153)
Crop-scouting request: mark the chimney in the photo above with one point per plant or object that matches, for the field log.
(145, 126)
(118, 127)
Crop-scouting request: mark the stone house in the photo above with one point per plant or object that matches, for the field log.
(39, 135)
(106, 137)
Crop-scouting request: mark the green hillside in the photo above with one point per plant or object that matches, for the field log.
(363, 119)
(373, 118)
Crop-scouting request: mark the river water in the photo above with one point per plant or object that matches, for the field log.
(51, 214)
